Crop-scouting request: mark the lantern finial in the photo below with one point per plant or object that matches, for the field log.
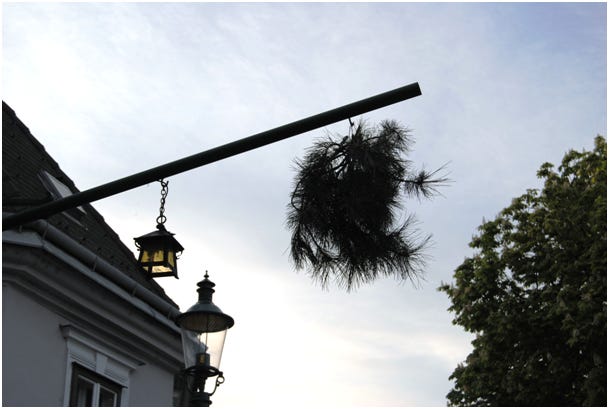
(206, 289)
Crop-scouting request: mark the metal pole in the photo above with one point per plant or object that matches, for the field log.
(213, 155)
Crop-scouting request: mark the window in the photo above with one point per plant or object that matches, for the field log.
(96, 373)
(59, 190)
(91, 389)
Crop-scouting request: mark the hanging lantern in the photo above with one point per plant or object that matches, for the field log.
(159, 250)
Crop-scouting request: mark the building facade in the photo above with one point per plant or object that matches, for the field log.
(82, 325)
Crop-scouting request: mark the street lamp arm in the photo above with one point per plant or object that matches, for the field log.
(213, 155)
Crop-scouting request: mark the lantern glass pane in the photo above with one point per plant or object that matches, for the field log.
(171, 258)
(158, 256)
(191, 347)
(161, 270)
(215, 345)
(144, 256)
(152, 256)
(204, 348)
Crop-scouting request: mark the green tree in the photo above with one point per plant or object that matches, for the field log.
(534, 294)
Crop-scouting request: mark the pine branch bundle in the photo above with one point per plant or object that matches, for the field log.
(345, 204)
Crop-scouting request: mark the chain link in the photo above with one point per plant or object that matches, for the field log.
(164, 190)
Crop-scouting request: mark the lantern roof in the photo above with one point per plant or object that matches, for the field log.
(205, 316)
(160, 234)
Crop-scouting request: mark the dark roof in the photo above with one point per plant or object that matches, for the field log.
(24, 160)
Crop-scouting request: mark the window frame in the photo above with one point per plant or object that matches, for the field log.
(98, 381)
(60, 190)
(101, 359)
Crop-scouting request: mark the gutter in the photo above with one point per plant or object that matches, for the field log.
(133, 291)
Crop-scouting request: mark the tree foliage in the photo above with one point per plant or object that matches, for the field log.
(344, 208)
(535, 293)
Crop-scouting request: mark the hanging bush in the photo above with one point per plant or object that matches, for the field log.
(345, 206)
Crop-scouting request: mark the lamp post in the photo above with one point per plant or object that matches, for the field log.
(204, 328)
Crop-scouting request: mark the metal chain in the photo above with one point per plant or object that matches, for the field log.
(164, 190)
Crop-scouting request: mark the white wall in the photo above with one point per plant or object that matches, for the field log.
(33, 352)
(152, 386)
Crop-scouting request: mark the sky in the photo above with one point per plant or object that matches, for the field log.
(112, 89)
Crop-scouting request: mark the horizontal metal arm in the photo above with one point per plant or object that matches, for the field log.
(213, 155)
